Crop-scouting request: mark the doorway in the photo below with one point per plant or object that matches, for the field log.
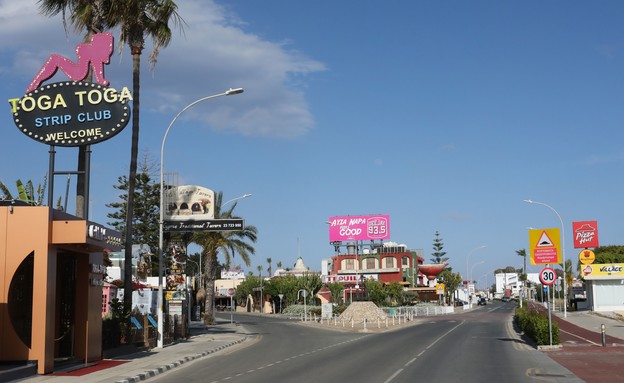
(66, 306)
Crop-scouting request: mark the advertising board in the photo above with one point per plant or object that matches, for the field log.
(359, 228)
(585, 234)
(189, 203)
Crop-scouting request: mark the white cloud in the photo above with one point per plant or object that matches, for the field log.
(213, 54)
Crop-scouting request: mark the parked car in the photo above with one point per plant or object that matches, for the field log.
(482, 301)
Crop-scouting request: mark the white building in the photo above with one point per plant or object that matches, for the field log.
(507, 285)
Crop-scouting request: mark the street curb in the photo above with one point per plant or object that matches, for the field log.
(162, 369)
(554, 347)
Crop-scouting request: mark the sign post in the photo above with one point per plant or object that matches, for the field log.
(231, 293)
(548, 277)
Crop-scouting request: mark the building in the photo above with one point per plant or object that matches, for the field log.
(51, 277)
(388, 262)
(605, 286)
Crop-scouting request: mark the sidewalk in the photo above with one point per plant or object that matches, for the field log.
(581, 348)
(136, 367)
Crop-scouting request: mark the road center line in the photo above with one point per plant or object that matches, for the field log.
(422, 352)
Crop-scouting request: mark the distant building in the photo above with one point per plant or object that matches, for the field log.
(388, 262)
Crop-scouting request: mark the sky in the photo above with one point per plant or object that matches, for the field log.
(444, 115)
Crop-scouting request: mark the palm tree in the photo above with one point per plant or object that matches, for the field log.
(229, 243)
(138, 19)
(270, 269)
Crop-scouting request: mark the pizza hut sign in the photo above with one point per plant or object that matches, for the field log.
(585, 234)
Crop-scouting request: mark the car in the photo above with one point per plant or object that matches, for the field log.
(482, 302)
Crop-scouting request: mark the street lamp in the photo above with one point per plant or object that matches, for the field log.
(473, 266)
(468, 259)
(236, 199)
(228, 92)
(565, 292)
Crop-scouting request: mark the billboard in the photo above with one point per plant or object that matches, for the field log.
(359, 228)
(545, 245)
(75, 112)
(188, 203)
(585, 234)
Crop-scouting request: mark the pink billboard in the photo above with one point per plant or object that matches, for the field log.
(359, 227)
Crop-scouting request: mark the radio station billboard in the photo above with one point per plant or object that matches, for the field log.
(359, 228)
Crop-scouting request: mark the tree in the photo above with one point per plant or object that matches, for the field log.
(609, 254)
(451, 282)
(394, 291)
(229, 243)
(376, 292)
(522, 253)
(438, 255)
(138, 19)
(336, 290)
(270, 269)
(144, 217)
(25, 193)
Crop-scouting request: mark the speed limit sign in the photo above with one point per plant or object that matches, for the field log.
(547, 276)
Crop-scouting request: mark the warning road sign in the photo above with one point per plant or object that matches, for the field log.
(545, 246)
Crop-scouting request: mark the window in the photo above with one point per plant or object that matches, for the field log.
(349, 264)
(405, 261)
(389, 263)
(369, 263)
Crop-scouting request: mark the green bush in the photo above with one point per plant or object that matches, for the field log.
(535, 325)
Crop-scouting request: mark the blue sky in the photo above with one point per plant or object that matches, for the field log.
(443, 115)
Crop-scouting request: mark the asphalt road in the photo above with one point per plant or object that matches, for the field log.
(477, 346)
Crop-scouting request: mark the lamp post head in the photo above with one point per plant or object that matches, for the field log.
(231, 91)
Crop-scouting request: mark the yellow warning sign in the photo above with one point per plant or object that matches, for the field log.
(545, 245)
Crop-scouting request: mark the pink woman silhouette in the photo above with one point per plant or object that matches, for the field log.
(97, 53)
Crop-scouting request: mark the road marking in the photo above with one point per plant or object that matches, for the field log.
(580, 337)
(397, 372)
(288, 359)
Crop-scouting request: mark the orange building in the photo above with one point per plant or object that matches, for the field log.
(51, 270)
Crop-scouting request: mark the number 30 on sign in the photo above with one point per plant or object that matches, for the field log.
(547, 276)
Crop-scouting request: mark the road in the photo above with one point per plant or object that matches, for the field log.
(476, 346)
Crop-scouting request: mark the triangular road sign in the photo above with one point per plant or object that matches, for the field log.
(544, 240)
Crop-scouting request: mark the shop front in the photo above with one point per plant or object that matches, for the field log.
(51, 277)
(605, 286)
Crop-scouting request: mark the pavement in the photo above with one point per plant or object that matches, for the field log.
(141, 365)
(581, 351)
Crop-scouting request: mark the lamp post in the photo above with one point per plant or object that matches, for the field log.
(236, 199)
(468, 259)
(472, 268)
(228, 92)
(565, 292)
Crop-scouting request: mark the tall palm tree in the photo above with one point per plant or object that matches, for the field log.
(270, 269)
(138, 19)
(228, 243)
(522, 253)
